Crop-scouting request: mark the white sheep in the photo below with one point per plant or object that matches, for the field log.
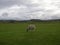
(31, 27)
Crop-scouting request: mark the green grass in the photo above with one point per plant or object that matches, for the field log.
(47, 33)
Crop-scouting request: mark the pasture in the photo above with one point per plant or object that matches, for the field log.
(47, 33)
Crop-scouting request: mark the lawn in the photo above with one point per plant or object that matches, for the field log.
(47, 33)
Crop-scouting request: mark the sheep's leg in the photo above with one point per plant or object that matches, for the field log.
(27, 30)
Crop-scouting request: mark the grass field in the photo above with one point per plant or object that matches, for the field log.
(47, 33)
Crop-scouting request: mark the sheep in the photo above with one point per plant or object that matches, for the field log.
(31, 27)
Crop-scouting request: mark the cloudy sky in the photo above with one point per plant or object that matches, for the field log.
(29, 9)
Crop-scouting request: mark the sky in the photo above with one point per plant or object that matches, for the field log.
(29, 9)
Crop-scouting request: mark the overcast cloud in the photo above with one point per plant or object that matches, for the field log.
(29, 9)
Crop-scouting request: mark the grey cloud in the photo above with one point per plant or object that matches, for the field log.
(25, 9)
(8, 3)
(5, 14)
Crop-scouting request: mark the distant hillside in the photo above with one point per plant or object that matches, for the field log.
(36, 20)
(45, 20)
